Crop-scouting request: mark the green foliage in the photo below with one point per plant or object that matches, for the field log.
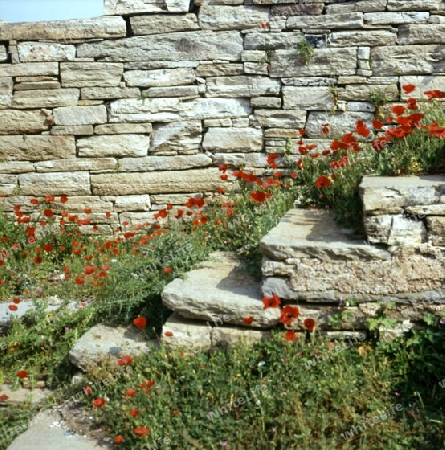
(306, 51)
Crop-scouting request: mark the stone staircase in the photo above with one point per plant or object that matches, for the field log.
(338, 281)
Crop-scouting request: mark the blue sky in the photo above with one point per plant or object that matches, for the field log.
(38, 10)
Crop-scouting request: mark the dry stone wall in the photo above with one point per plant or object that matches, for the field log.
(136, 109)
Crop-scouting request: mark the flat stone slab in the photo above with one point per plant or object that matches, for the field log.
(219, 292)
(47, 432)
(22, 395)
(305, 233)
(102, 343)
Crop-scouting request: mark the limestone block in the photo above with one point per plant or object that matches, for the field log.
(99, 93)
(77, 165)
(176, 136)
(428, 210)
(143, 25)
(124, 128)
(241, 86)
(312, 9)
(408, 59)
(80, 115)
(75, 130)
(232, 335)
(406, 232)
(179, 46)
(237, 159)
(45, 98)
(29, 69)
(8, 183)
(114, 145)
(265, 102)
(204, 180)
(303, 97)
(395, 18)
(281, 119)
(217, 122)
(39, 85)
(360, 106)
(233, 140)
(151, 163)
(331, 21)
(98, 27)
(357, 6)
(16, 167)
(83, 74)
(172, 109)
(362, 92)
(423, 83)
(226, 17)
(370, 38)
(326, 62)
(378, 228)
(172, 91)
(137, 218)
(40, 51)
(219, 70)
(436, 229)
(55, 183)
(340, 122)
(422, 34)
(132, 203)
(121, 7)
(413, 5)
(159, 77)
(3, 54)
(5, 99)
(37, 148)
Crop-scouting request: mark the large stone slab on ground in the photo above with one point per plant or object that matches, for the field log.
(102, 343)
(22, 395)
(220, 292)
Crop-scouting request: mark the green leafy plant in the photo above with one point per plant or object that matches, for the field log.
(306, 51)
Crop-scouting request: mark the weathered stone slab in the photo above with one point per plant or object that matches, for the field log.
(369, 38)
(422, 34)
(312, 9)
(83, 74)
(98, 27)
(37, 148)
(151, 163)
(331, 21)
(16, 167)
(5, 99)
(382, 193)
(378, 228)
(80, 115)
(176, 136)
(406, 232)
(230, 336)
(257, 40)
(143, 25)
(281, 119)
(112, 344)
(172, 91)
(74, 130)
(189, 334)
(363, 92)
(51, 98)
(265, 102)
(238, 159)
(226, 17)
(413, 5)
(428, 210)
(132, 203)
(304, 97)
(123, 128)
(233, 140)
(204, 180)
(39, 85)
(241, 86)
(115, 145)
(125, 7)
(77, 165)
(3, 53)
(219, 70)
(55, 183)
(159, 77)
(326, 62)
(29, 69)
(8, 183)
(172, 109)
(99, 93)
(395, 18)
(340, 122)
(436, 229)
(179, 46)
(423, 83)
(357, 6)
(227, 295)
(40, 51)
(408, 59)
(21, 395)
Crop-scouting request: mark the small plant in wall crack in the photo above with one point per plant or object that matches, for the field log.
(306, 51)
(378, 99)
(333, 90)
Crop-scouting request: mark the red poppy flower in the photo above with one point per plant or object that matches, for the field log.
(16, 300)
(118, 439)
(271, 302)
(125, 360)
(288, 313)
(224, 177)
(309, 324)
(248, 320)
(22, 374)
(398, 110)
(176, 412)
(98, 403)
(48, 213)
(34, 201)
(434, 94)
(290, 335)
(79, 281)
(141, 431)
(412, 104)
(148, 383)
(88, 390)
(108, 214)
(408, 88)
(218, 222)
(380, 143)
(12, 307)
(49, 198)
(134, 412)
(38, 260)
(4, 397)
(223, 167)
(48, 248)
(220, 190)
(140, 322)
(377, 124)
(322, 182)
(130, 392)
(168, 334)
(260, 197)
(325, 128)
(87, 210)
(63, 199)
(362, 129)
